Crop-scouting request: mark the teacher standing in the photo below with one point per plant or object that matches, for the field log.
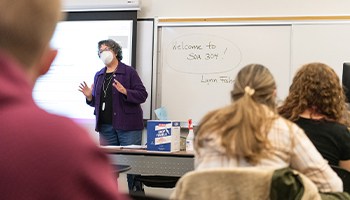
(116, 94)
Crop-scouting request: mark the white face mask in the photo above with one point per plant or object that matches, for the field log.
(106, 57)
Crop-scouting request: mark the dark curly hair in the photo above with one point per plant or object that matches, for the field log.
(316, 87)
(116, 48)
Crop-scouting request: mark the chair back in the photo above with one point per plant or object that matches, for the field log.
(244, 183)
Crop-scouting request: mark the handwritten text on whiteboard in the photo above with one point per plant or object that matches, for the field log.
(202, 54)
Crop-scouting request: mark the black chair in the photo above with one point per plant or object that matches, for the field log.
(157, 181)
(345, 177)
(144, 197)
(153, 181)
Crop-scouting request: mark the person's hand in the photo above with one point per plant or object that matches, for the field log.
(119, 87)
(86, 90)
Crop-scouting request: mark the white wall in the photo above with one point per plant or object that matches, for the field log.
(207, 8)
(231, 8)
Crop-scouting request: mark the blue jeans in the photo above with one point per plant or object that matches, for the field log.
(110, 136)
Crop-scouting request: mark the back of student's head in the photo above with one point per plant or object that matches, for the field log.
(317, 87)
(26, 27)
(258, 78)
(244, 124)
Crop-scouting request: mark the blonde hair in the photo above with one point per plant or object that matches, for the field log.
(317, 87)
(243, 126)
(26, 27)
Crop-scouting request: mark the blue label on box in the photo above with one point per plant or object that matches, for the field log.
(159, 135)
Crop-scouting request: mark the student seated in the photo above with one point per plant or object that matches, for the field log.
(42, 156)
(250, 133)
(316, 103)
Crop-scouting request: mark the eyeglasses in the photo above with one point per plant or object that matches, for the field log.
(106, 49)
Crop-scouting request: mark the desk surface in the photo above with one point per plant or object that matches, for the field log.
(152, 162)
(116, 150)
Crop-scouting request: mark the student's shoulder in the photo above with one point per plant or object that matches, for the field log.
(67, 128)
(53, 135)
(286, 129)
(54, 128)
(338, 126)
(285, 124)
(339, 130)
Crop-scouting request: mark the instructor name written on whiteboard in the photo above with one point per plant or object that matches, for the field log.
(221, 80)
(202, 54)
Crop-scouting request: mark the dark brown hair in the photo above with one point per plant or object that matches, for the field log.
(316, 87)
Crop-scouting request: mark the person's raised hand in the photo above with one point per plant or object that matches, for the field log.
(119, 87)
(86, 90)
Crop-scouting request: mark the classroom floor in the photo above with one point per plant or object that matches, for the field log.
(155, 192)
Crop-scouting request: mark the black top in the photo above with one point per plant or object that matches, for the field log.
(331, 139)
(106, 114)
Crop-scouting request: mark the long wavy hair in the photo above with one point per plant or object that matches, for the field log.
(243, 126)
(316, 87)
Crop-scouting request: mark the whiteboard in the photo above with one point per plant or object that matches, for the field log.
(327, 43)
(144, 61)
(198, 65)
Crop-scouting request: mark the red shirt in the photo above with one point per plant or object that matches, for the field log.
(45, 156)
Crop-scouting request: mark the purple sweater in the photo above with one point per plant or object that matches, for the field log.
(127, 112)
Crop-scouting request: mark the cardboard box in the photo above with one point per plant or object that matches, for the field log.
(163, 135)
